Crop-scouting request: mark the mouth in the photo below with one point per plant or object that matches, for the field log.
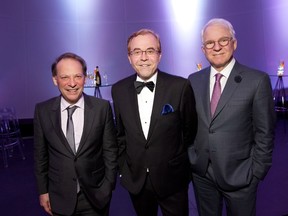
(144, 65)
(218, 54)
(73, 91)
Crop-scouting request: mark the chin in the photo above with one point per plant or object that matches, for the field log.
(73, 100)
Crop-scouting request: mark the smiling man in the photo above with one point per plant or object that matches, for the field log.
(232, 151)
(75, 147)
(156, 122)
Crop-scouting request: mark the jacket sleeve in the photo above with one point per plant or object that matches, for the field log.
(41, 159)
(264, 124)
(188, 115)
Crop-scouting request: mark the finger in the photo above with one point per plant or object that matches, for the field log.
(47, 207)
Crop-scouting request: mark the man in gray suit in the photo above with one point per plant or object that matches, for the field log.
(74, 177)
(232, 151)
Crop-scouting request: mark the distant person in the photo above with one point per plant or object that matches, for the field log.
(75, 171)
(232, 151)
(156, 122)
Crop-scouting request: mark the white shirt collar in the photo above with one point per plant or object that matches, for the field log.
(226, 71)
(153, 78)
(65, 104)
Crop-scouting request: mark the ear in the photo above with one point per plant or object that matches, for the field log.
(203, 49)
(129, 59)
(55, 80)
(235, 44)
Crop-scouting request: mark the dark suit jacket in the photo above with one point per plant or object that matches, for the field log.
(239, 138)
(165, 150)
(95, 163)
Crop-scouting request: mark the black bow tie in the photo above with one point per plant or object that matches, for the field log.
(139, 86)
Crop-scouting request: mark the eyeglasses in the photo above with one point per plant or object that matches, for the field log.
(148, 52)
(222, 42)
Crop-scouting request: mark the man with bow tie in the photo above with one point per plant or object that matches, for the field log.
(156, 122)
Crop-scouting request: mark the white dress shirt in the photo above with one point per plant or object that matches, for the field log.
(78, 119)
(225, 72)
(145, 104)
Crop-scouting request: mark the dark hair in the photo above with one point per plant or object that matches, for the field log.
(143, 32)
(69, 55)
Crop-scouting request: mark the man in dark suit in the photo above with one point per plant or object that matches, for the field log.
(156, 122)
(233, 147)
(77, 178)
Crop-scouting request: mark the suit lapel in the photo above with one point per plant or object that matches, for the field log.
(133, 108)
(204, 92)
(158, 102)
(89, 118)
(55, 117)
(229, 89)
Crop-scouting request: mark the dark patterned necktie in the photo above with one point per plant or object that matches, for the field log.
(70, 128)
(140, 85)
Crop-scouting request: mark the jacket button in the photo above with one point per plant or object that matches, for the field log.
(146, 146)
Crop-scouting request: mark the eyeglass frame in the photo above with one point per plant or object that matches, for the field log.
(219, 42)
(138, 52)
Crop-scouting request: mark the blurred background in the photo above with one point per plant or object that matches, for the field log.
(34, 33)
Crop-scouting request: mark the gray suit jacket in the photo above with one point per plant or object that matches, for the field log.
(239, 138)
(94, 165)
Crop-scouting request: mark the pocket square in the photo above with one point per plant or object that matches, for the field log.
(167, 108)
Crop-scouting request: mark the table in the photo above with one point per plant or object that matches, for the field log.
(280, 101)
(97, 92)
(279, 94)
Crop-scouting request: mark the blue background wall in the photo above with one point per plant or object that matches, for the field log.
(34, 33)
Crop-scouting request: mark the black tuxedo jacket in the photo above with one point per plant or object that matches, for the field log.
(238, 139)
(165, 150)
(95, 162)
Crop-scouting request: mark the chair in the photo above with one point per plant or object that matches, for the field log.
(10, 134)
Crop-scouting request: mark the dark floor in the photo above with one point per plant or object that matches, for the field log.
(18, 196)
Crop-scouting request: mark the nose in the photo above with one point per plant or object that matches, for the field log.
(144, 55)
(72, 82)
(217, 46)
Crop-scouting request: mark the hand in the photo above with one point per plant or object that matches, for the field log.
(45, 203)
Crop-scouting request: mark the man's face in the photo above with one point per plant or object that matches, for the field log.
(70, 79)
(144, 63)
(218, 56)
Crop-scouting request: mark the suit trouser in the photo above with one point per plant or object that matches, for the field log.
(85, 208)
(146, 202)
(209, 197)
